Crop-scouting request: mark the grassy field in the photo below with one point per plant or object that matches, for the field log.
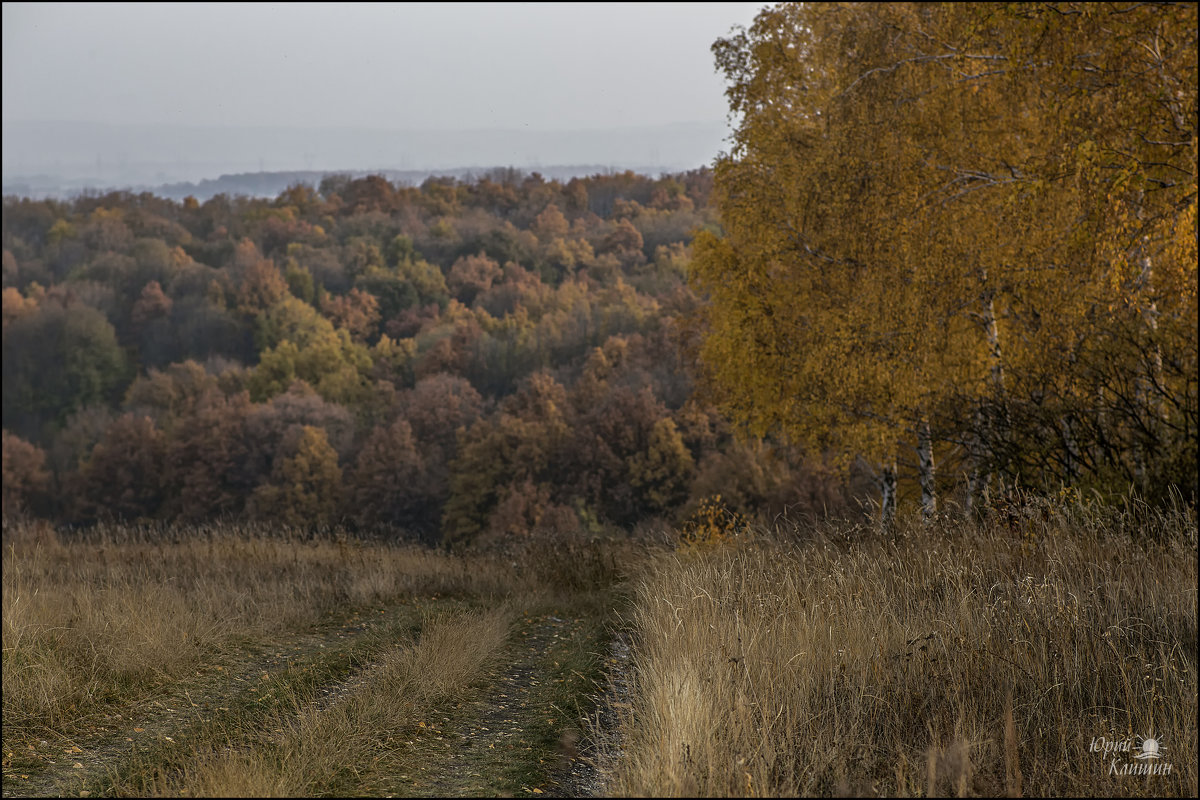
(960, 659)
(984, 658)
(233, 660)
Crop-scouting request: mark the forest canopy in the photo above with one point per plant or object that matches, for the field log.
(462, 361)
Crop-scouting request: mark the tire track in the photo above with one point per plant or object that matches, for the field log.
(496, 743)
(76, 762)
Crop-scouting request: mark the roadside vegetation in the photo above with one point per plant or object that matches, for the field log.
(954, 658)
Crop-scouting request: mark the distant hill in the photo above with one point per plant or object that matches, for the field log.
(270, 184)
(65, 158)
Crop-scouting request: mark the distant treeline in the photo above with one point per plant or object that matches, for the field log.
(271, 184)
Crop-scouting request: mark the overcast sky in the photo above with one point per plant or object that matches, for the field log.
(404, 66)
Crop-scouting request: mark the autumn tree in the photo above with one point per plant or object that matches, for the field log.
(821, 325)
(409, 284)
(168, 394)
(58, 359)
(661, 473)
(25, 475)
(123, 476)
(437, 407)
(621, 461)
(472, 275)
(330, 362)
(503, 455)
(625, 241)
(299, 344)
(152, 304)
(305, 483)
(261, 287)
(356, 311)
(1109, 382)
(389, 487)
(206, 472)
(16, 305)
(269, 425)
(551, 224)
(902, 227)
(392, 361)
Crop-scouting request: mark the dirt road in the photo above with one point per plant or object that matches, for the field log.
(516, 731)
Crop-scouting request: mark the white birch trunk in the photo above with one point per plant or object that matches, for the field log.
(985, 431)
(1151, 377)
(925, 469)
(994, 355)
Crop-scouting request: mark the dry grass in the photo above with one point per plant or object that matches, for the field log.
(98, 620)
(116, 621)
(345, 746)
(952, 659)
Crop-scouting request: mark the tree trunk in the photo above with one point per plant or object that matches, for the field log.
(1073, 457)
(1151, 376)
(887, 500)
(925, 467)
(975, 478)
(995, 359)
(986, 431)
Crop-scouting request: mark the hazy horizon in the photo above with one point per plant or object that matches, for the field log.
(48, 159)
(120, 93)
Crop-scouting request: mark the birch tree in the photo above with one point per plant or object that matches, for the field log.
(945, 223)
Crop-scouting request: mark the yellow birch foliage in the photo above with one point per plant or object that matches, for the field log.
(922, 199)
